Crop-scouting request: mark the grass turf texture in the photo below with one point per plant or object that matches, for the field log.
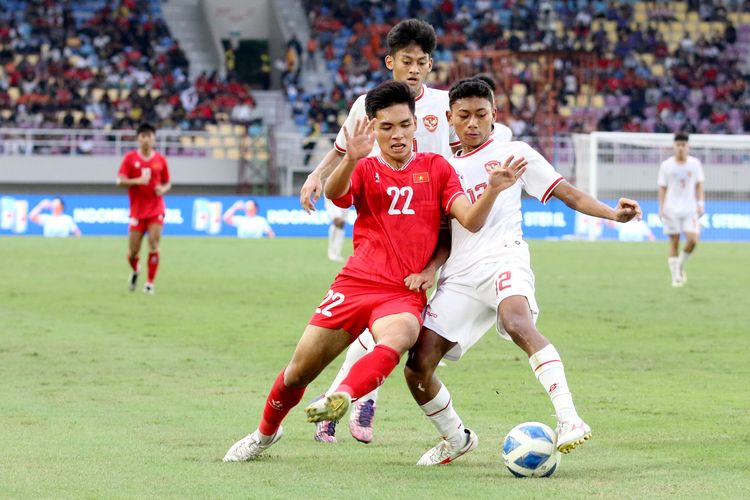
(105, 393)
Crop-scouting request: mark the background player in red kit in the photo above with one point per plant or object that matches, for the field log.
(146, 175)
(400, 197)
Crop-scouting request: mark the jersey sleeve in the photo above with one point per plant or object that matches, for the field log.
(125, 166)
(357, 112)
(451, 188)
(72, 227)
(662, 180)
(540, 178)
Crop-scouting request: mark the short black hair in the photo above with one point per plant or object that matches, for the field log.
(411, 31)
(386, 95)
(484, 77)
(61, 200)
(145, 127)
(470, 87)
(681, 136)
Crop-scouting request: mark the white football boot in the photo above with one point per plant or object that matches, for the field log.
(571, 434)
(444, 453)
(249, 447)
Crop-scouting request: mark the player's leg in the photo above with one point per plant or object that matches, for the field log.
(516, 316)
(336, 239)
(435, 400)
(154, 238)
(672, 230)
(394, 335)
(315, 350)
(691, 228)
(363, 411)
(135, 238)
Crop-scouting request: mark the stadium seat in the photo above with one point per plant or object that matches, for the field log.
(218, 154)
(199, 141)
(212, 129)
(230, 140)
(14, 93)
(233, 154)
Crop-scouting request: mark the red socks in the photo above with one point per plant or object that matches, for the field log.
(133, 261)
(370, 371)
(153, 265)
(280, 400)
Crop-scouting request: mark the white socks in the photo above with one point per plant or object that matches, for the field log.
(357, 349)
(683, 258)
(548, 368)
(445, 419)
(335, 242)
(674, 267)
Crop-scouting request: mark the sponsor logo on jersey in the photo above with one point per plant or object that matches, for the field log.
(421, 177)
(377, 177)
(492, 165)
(430, 123)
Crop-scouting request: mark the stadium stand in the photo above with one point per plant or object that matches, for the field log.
(659, 66)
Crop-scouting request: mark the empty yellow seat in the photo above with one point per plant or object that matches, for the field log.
(218, 154)
(233, 154)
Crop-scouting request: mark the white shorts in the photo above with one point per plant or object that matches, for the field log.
(680, 224)
(465, 306)
(335, 212)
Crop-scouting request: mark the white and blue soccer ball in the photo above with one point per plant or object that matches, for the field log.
(529, 450)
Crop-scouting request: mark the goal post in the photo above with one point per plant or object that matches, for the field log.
(609, 165)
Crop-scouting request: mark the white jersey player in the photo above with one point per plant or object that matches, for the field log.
(488, 278)
(55, 224)
(681, 204)
(410, 44)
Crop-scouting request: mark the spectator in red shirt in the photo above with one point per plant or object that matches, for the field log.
(146, 175)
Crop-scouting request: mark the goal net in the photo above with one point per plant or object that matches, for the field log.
(609, 165)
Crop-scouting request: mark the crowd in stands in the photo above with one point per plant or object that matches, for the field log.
(104, 65)
(639, 81)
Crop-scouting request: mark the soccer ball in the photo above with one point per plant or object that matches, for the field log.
(529, 450)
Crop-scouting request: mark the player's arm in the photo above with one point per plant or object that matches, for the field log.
(161, 189)
(37, 210)
(662, 195)
(313, 186)
(358, 146)
(472, 217)
(700, 197)
(228, 216)
(135, 181)
(584, 203)
(426, 279)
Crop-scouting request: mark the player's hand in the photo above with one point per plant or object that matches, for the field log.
(360, 142)
(420, 281)
(627, 210)
(505, 176)
(159, 190)
(142, 180)
(310, 192)
(45, 203)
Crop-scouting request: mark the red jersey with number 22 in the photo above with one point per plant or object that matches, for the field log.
(144, 202)
(398, 215)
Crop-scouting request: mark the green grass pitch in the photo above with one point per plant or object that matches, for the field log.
(111, 394)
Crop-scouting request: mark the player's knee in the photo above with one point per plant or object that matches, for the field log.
(295, 376)
(518, 326)
(417, 372)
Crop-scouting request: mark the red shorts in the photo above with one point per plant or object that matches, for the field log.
(353, 305)
(141, 225)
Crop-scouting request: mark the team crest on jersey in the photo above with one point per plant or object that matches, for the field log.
(430, 123)
(492, 165)
(137, 164)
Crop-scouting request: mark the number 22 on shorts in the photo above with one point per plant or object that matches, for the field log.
(331, 300)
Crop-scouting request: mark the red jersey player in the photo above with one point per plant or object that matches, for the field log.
(400, 198)
(146, 175)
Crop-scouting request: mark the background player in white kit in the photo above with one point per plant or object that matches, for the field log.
(409, 44)
(488, 279)
(56, 224)
(681, 204)
(338, 218)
